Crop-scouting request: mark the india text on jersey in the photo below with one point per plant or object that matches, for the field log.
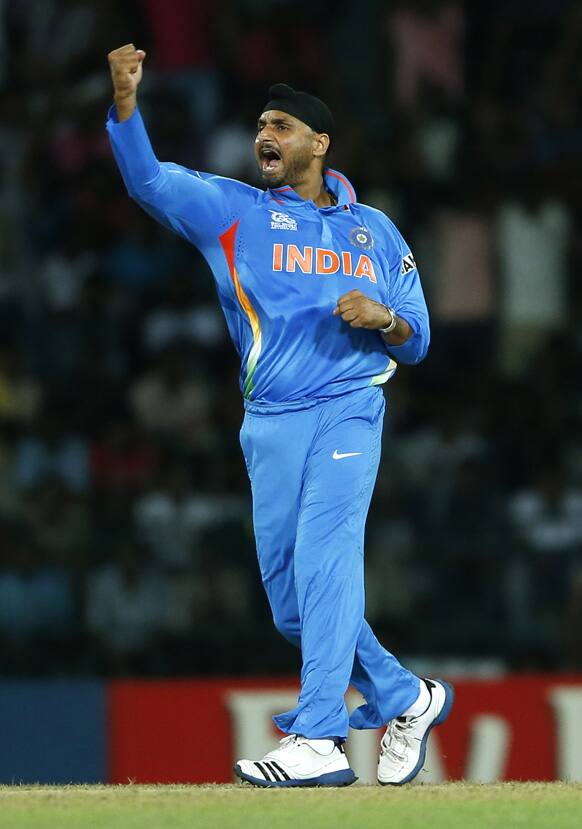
(310, 260)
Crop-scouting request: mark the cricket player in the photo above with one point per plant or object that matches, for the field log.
(322, 299)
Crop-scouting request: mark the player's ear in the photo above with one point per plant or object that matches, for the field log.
(320, 144)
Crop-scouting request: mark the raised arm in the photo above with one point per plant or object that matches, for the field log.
(195, 205)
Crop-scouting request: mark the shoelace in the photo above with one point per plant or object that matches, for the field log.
(396, 742)
(287, 741)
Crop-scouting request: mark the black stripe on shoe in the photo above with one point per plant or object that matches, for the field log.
(273, 771)
(280, 770)
(263, 771)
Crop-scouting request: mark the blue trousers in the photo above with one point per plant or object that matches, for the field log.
(312, 472)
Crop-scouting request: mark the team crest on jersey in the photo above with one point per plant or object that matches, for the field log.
(408, 264)
(361, 238)
(281, 221)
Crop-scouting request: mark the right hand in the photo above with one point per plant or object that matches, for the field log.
(126, 70)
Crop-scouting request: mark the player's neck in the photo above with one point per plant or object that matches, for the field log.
(313, 189)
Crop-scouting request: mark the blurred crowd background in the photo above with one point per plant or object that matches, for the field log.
(125, 533)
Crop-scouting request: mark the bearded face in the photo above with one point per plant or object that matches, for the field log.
(285, 149)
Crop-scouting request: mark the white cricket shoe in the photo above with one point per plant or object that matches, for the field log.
(298, 761)
(403, 746)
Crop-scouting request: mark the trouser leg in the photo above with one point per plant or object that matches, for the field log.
(337, 645)
(309, 520)
(386, 685)
(275, 449)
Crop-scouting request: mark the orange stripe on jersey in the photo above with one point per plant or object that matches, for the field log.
(345, 182)
(227, 240)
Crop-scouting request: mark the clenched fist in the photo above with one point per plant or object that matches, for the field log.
(361, 311)
(126, 73)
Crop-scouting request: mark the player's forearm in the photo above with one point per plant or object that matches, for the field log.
(180, 199)
(414, 347)
(133, 151)
(400, 334)
(125, 106)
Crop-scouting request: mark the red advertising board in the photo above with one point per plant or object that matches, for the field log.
(177, 731)
(191, 731)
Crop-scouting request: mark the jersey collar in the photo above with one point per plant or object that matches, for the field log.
(335, 182)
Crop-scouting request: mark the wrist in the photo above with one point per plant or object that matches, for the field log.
(125, 105)
(392, 321)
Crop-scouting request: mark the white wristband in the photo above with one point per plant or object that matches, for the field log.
(393, 321)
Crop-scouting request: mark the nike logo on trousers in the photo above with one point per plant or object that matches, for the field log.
(337, 456)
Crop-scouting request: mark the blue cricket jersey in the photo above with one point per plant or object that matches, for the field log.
(280, 264)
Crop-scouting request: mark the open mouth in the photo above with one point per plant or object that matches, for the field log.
(270, 158)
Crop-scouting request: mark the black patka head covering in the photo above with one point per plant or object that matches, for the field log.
(309, 109)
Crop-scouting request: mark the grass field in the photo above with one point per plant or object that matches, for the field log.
(446, 806)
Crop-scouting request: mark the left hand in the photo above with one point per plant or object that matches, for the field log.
(361, 311)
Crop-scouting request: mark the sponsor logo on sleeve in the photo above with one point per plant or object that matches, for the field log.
(408, 264)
